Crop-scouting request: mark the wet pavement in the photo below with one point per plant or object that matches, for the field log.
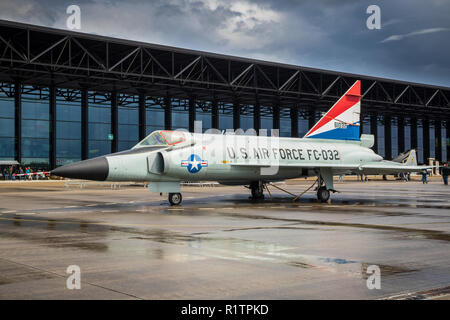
(129, 244)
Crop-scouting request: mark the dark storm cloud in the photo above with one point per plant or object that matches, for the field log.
(413, 43)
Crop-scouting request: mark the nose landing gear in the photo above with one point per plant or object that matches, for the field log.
(257, 189)
(175, 199)
(323, 194)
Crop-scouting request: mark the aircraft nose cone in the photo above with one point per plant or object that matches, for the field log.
(91, 169)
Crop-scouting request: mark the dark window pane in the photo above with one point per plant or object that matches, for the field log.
(6, 148)
(35, 110)
(68, 112)
(128, 115)
(7, 108)
(6, 127)
(35, 148)
(68, 130)
(99, 148)
(68, 149)
(35, 129)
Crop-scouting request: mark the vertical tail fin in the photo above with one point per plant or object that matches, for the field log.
(342, 121)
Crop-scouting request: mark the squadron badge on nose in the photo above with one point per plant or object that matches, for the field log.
(194, 163)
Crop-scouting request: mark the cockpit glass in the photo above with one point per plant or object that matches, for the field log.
(162, 138)
(155, 139)
(173, 137)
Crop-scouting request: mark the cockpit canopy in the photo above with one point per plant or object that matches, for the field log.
(162, 138)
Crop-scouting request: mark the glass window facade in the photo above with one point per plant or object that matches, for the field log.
(128, 118)
(285, 126)
(247, 117)
(180, 114)
(203, 114)
(433, 141)
(225, 117)
(366, 125)
(68, 129)
(35, 127)
(419, 141)
(302, 124)
(407, 129)
(6, 128)
(154, 116)
(394, 138)
(380, 137)
(99, 127)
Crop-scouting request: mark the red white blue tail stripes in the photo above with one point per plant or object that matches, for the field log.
(342, 121)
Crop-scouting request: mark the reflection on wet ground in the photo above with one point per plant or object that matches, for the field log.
(129, 243)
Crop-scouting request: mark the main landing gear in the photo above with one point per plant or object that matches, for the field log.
(175, 199)
(257, 189)
(323, 194)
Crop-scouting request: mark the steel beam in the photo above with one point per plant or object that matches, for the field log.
(276, 117)
(401, 134)
(257, 117)
(192, 113)
(142, 116)
(114, 122)
(214, 115)
(414, 138)
(18, 121)
(438, 140)
(236, 115)
(311, 117)
(52, 126)
(168, 112)
(84, 124)
(426, 138)
(387, 137)
(294, 121)
(374, 130)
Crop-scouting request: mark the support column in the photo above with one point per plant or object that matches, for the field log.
(447, 138)
(438, 139)
(374, 131)
(215, 115)
(311, 117)
(18, 121)
(257, 117)
(276, 117)
(84, 124)
(142, 116)
(401, 134)
(361, 124)
(236, 115)
(191, 114)
(414, 139)
(426, 139)
(114, 122)
(168, 113)
(294, 121)
(387, 137)
(52, 126)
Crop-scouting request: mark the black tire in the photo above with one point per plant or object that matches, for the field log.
(175, 199)
(257, 191)
(323, 194)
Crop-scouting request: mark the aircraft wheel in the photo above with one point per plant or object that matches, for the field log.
(257, 191)
(323, 194)
(175, 198)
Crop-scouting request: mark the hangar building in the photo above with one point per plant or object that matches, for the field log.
(67, 96)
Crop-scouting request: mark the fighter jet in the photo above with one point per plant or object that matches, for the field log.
(333, 146)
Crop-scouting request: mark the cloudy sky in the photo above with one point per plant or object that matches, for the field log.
(413, 43)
